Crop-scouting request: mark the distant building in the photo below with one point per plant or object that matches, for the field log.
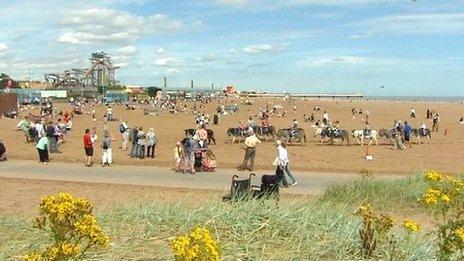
(134, 89)
(34, 85)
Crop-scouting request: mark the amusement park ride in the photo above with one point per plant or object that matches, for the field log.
(100, 73)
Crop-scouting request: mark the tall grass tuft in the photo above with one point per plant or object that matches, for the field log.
(321, 229)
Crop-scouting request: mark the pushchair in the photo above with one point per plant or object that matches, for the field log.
(201, 162)
(242, 189)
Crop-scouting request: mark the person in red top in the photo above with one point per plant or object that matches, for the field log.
(88, 147)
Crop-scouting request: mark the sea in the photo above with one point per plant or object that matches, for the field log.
(458, 99)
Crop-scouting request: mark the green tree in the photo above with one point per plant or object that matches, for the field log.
(152, 91)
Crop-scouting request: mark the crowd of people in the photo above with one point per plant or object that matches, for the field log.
(48, 131)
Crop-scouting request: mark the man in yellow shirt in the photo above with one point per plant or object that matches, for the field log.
(250, 152)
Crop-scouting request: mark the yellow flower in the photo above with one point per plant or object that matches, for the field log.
(445, 198)
(411, 226)
(433, 176)
(459, 232)
(431, 196)
(197, 245)
(33, 256)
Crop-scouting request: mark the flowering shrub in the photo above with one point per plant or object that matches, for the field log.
(72, 226)
(375, 228)
(197, 245)
(444, 199)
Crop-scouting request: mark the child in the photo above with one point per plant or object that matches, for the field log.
(178, 153)
(209, 161)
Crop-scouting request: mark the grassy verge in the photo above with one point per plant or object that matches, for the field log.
(320, 229)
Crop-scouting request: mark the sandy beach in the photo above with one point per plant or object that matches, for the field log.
(443, 153)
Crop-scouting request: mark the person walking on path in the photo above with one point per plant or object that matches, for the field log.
(250, 152)
(107, 157)
(42, 148)
(88, 147)
(407, 129)
(283, 162)
(151, 143)
(124, 130)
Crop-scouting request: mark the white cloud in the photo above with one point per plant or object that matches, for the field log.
(121, 65)
(160, 51)
(207, 58)
(172, 71)
(233, 2)
(113, 26)
(260, 49)
(168, 62)
(415, 24)
(339, 2)
(333, 60)
(129, 50)
(266, 4)
(3, 49)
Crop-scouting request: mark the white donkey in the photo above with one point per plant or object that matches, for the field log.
(359, 135)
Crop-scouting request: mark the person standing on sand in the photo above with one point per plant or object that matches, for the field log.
(178, 154)
(3, 151)
(435, 121)
(202, 136)
(250, 152)
(40, 130)
(25, 126)
(42, 148)
(325, 118)
(151, 143)
(189, 147)
(107, 156)
(412, 114)
(124, 130)
(407, 129)
(133, 138)
(141, 143)
(88, 147)
(397, 131)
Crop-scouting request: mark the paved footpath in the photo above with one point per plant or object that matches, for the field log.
(308, 182)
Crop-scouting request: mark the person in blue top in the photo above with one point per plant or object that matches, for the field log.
(42, 148)
(407, 129)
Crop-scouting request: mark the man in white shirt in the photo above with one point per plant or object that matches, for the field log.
(283, 162)
(250, 152)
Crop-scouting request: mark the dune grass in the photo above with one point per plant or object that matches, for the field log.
(323, 228)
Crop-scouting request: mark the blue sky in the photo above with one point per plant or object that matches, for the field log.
(411, 47)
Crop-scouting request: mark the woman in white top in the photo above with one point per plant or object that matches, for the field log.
(151, 143)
